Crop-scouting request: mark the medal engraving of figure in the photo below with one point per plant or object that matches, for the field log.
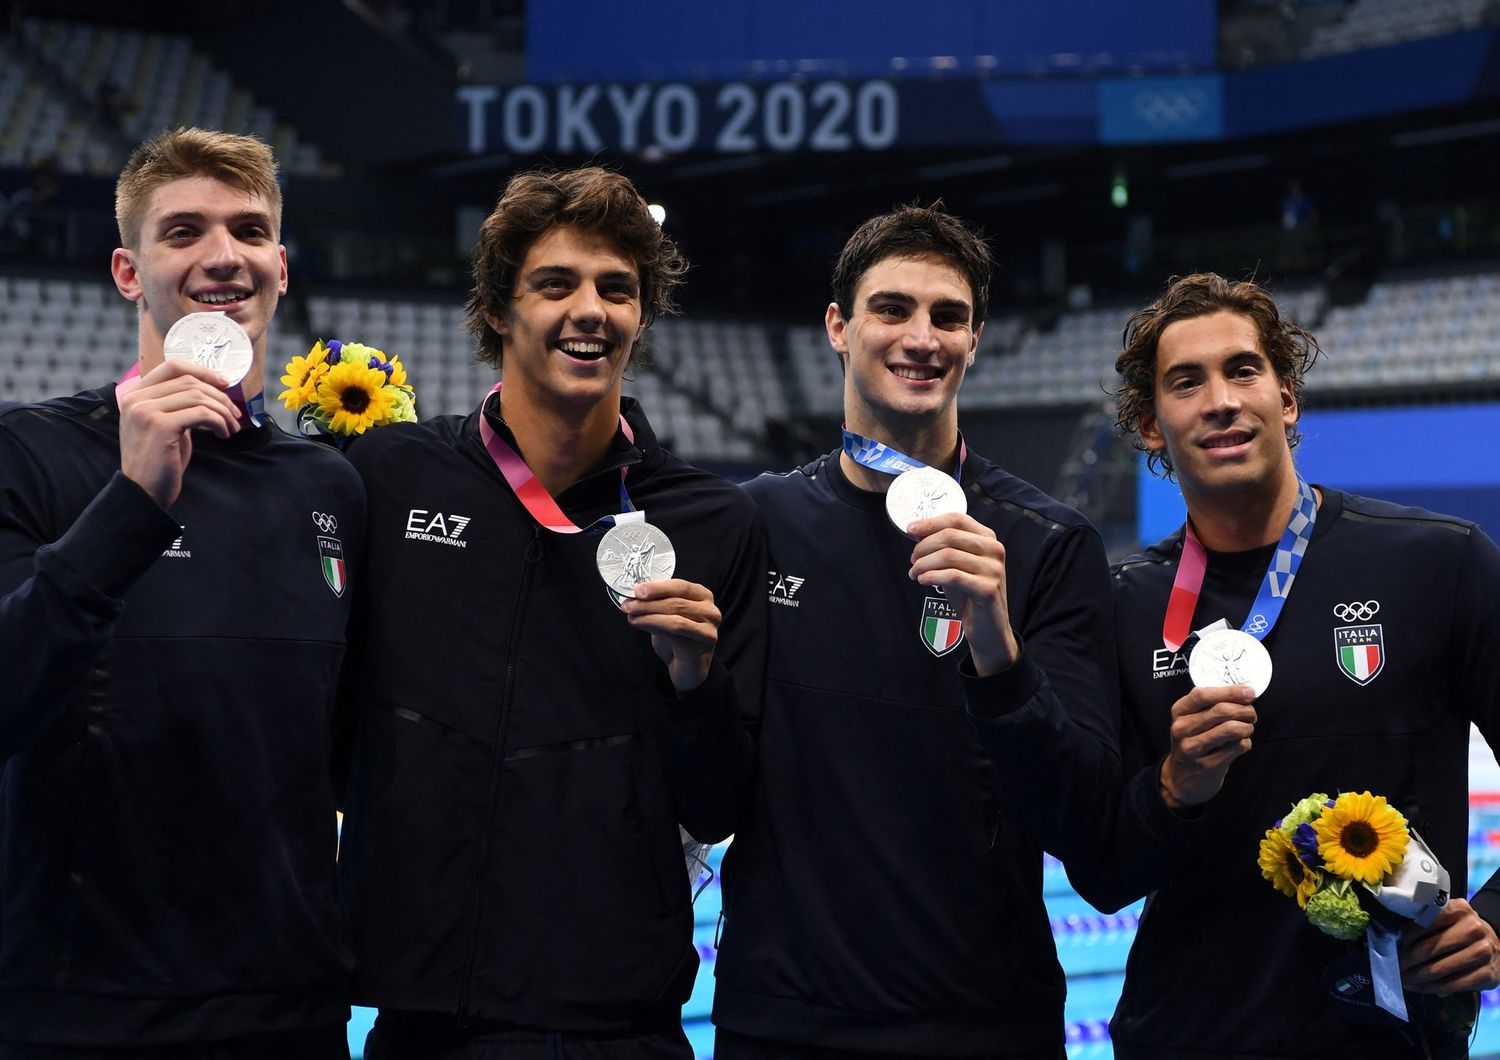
(632, 553)
(1230, 657)
(922, 493)
(213, 341)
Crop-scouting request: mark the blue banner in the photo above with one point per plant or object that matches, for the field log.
(808, 113)
(1161, 109)
(733, 40)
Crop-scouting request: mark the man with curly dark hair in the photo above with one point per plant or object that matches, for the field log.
(530, 736)
(1381, 646)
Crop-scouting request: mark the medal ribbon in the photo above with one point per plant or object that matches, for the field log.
(533, 495)
(1385, 968)
(252, 409)
(877, 456)
(1275, 587)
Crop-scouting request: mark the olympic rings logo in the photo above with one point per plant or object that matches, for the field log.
(326, 523)
(1165, 109)
(1257, 624)
(1356, 611)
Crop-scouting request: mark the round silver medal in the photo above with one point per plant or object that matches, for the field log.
(921, 493)
(632, 553)
(213, 341)
(1230, 657)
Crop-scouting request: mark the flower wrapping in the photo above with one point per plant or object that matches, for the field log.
(342, 389)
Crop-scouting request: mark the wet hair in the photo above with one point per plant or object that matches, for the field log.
(593, 199)
(1290, 349)
(240, 161)
(914, 231)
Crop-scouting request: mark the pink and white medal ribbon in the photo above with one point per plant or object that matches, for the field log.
(632, 550)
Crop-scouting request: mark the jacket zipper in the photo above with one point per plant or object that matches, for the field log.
(497, 760)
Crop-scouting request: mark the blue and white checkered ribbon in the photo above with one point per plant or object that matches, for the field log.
(877, 456)
(1277, 584)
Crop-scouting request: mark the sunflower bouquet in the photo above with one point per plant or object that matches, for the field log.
(342, 389)
(1324, 848)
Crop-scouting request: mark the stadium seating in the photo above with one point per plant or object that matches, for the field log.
(713, 386)
(706, 405)
(1373, 23)
(55, 77)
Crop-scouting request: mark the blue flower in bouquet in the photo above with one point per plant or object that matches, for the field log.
(1305, 840)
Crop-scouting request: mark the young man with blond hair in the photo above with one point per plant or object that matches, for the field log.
(172, 643)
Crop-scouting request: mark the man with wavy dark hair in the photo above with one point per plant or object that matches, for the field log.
(1291, 351)
(1380, 630)
(529, 736)
(593, 199)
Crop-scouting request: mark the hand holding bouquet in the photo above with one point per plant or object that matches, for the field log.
(1328, 853)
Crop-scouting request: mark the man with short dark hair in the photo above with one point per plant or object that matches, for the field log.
(1223, 965)
(172, 610)
(884, 896)
(530, 734)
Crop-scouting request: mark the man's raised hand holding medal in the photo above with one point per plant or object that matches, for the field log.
(914, 340)
(680, 615)
(967, 561)
(954, 552)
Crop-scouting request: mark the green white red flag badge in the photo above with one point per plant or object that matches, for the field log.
(1359, 649)
(940, 628)
(1361, 652)
(331, 553)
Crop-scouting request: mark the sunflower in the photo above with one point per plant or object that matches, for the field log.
(353, 398)
(398, 374)
(1361, 837)
(1280, 864)
(302, 375)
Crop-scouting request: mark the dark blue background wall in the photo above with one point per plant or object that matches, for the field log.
(1439, 457)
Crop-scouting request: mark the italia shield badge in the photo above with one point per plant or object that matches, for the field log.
(331, 552)
(1360, 651)
(940, 629)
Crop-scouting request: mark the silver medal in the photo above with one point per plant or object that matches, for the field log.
(213, 341)
(632, 553)
(1230, 657)
(921, 493)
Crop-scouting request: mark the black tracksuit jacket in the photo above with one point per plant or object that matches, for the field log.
(1223, 965)
(511, 851)
(168, 829)
(885, 892)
